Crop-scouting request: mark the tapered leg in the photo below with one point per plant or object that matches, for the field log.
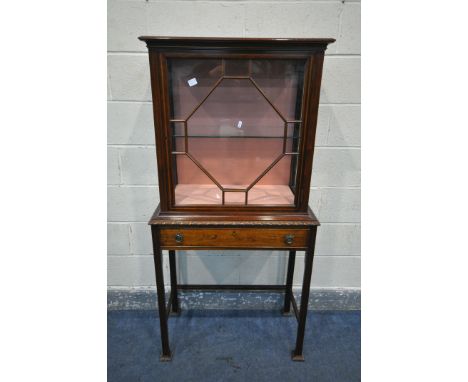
(309, 259)
(175, 300)
(157, 253)
(289, 279)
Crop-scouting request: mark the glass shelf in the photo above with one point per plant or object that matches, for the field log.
(233, 136)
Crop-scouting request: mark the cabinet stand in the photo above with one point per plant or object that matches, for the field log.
(186, 234)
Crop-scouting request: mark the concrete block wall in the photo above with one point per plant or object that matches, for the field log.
(132, 178)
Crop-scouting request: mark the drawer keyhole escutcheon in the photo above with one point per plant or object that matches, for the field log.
(179, 238)
(288, 239)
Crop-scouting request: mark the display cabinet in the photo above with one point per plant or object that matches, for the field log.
(235, 124)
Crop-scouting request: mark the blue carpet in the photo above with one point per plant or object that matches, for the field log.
(238, 345)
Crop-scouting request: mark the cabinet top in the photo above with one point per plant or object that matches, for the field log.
(236, 42)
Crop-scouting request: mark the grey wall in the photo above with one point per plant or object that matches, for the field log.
(132, 178)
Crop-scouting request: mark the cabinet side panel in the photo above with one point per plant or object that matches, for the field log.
(159, 117)
(312, 97)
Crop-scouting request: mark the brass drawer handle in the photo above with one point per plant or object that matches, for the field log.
(288, 239)
(179, 238)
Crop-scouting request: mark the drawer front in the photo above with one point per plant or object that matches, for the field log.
(266, 238)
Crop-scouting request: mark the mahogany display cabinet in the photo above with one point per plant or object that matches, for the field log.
(235, 123)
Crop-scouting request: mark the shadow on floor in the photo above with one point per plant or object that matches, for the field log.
(236, 345)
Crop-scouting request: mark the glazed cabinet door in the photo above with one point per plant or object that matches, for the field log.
(235, 129)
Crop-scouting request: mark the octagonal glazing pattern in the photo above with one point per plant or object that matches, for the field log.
(231, 142)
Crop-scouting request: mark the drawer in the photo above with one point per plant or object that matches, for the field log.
(223, 238)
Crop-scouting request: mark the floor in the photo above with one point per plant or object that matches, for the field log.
(234, 345)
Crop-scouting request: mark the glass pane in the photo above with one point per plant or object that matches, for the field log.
(293, 175)
(273, 188)
(234, 197)
(293, 129)
(237, 67)
(178, 145)
(236, 109)
(190, 80)
(293, 138)
(192, 185)
(177, 129)
(281, 81)
(235, 162)
(178, 134)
